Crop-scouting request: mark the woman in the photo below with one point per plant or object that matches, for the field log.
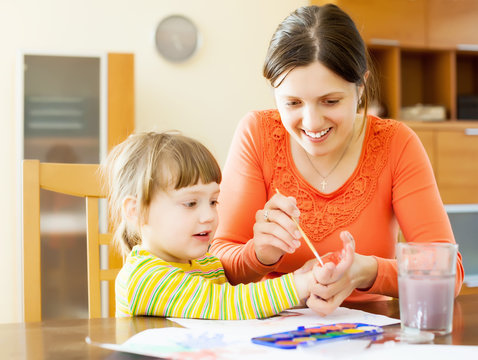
(336, 170)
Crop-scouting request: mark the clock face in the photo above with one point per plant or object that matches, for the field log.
(176, 38)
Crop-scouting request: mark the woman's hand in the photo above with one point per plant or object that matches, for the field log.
(275, 233)
(336, 282)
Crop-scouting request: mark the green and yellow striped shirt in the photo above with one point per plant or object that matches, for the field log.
(147, 285)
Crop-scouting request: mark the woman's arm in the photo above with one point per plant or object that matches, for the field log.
(417, 202)
(250, 244)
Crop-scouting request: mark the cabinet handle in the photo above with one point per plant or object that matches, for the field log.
(471, 131)
(468, 47)
(388, 42)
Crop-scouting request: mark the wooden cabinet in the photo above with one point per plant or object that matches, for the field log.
(410, 76)
(438, 77)
(452, 23)
(457, 165)
(427, 77)
(453, 152)
(414, 23)
(382, 22)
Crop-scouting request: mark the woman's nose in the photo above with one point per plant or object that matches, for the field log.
(311, 118)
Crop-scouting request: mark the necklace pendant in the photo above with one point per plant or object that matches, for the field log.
(323, 184)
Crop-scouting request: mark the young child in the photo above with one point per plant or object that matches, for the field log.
(163, 190)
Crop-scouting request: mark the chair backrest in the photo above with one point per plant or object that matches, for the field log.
(81, 180)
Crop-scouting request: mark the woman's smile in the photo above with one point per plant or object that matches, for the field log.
(317, 136)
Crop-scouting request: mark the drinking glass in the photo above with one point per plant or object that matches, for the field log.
(426, 286)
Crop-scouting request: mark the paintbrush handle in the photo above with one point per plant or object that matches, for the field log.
(312, 248)
(307, 241)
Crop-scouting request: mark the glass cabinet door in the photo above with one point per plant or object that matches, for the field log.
(61, 123)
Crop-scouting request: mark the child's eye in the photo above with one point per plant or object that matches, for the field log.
(292, 103)
(214, 203)
(190, 204)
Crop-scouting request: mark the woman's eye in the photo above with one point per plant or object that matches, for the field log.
(331, 101)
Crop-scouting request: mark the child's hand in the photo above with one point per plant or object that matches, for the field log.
(308, 266)
(334, 282)
(304, 279)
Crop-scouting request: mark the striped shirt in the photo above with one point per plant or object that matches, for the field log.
(147, 285)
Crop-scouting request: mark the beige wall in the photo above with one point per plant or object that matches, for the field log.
(204, 97)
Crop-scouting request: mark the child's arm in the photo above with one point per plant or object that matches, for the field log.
(169, 291)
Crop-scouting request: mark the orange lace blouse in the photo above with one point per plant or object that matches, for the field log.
(392, 187)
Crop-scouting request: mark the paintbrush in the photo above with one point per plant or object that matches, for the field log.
(307, 241)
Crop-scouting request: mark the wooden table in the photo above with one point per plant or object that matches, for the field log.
(65, 339)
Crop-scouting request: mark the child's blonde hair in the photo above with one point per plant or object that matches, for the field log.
(148, 162)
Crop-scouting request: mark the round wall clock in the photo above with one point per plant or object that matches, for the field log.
(177, 38)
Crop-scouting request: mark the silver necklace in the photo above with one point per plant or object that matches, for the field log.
(323, 183)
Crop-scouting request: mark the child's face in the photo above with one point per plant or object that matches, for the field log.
(181, 223)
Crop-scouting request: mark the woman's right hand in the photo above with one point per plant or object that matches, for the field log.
(275, 233)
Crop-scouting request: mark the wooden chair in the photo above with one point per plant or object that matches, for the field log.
(80, 180)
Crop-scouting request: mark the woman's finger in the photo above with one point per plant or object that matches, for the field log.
(276, 230)
(348, 253)
(288, 204)
(332, 272)
(324, 304)
(329, 291)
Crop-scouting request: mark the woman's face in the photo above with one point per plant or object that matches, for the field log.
(317, 108)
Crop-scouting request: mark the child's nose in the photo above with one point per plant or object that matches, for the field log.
(208, 214)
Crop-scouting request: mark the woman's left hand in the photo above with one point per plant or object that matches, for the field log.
(335, 282)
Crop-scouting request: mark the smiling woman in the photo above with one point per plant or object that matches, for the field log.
(340, 171)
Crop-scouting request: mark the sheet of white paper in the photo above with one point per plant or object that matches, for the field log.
(289, 320)
(229, 340)
(187, 344)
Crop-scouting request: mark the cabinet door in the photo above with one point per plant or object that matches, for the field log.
(390, 22)
(452, 23)
(64, 99)
(456, 165)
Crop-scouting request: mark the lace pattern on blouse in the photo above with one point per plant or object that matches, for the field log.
(322, 214)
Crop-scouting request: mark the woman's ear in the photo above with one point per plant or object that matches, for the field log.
(365, 77)
(130, 209)
(361, 88)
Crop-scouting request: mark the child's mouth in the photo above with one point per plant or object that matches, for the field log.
(204, 235)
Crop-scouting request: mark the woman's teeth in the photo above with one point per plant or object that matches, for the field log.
(316, 135)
